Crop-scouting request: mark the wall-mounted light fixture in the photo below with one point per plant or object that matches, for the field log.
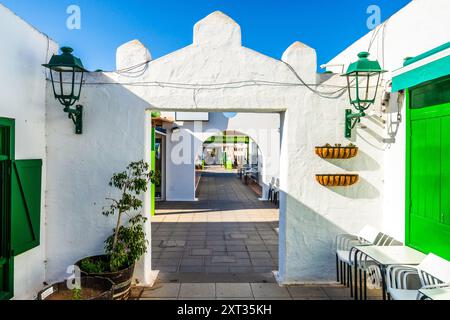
(363, 79)
(66, 72)
(176, 134)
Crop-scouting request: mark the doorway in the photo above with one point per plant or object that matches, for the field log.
(226, 231)
(428, 168)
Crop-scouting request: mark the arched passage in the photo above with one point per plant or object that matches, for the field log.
(234, 153)
(229, 229)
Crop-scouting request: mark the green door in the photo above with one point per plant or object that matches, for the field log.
(6, 155)
(428, 192)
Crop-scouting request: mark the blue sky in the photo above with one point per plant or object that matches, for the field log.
(268, 26)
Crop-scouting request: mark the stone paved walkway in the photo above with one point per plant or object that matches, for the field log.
(244, 291)
(227, 231)
(223, 247)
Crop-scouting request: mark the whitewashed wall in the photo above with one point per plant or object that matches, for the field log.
(116, 132)
(264, 129)
(22, 97)
(420, 26)
(238, 79)
(80, 167)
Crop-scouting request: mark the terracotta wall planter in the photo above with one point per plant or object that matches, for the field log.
(337, 152)
(337, 180)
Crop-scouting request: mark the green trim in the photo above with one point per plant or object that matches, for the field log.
(408, 172)
(153, 168)
(427, 54)
(11, 124)
(228, 139)
(432, 71)
(7, 261)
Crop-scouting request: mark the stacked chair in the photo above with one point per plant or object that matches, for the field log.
(345, 263)
(404, 282)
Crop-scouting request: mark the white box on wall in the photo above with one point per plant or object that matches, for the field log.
(192, 116)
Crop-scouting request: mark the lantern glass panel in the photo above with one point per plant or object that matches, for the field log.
(67, 83)
(362, 87)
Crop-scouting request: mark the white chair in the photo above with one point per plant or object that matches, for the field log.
(367, 268)
(344, 244)
(404, 282)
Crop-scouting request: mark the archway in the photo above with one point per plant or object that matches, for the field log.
(235, 153)
(228, 232)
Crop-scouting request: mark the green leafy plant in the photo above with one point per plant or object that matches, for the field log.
(338, 145)
(94, 266)
(128, 242)
(77, 294)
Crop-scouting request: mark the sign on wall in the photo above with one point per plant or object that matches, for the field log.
(192, 116)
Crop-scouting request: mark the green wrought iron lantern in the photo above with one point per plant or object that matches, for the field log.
(67, 72)
(363, 79)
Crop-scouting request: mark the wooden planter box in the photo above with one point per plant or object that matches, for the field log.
(337, 180)
(337, 152)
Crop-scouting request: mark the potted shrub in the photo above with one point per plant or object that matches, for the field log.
(337, 152)
(127, 243)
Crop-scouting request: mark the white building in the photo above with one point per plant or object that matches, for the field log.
(202, 78)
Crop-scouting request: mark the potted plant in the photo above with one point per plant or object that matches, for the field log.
(128, 242)
(337, 152)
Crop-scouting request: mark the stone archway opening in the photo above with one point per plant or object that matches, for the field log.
(228, 232)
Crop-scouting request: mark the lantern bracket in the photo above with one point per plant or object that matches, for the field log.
(351, 120)
(76, 115)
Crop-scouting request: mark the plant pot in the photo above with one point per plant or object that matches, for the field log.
(92, 288)
(337, 180)
(121, 279)
(337, 152)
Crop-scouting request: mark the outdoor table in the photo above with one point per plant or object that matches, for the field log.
(436, 294)
(384, 257)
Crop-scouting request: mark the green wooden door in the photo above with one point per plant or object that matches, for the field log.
(428, 192)
(20, 205)
(6, 260)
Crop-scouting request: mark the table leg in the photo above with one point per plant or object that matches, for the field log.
(337, 268)
(351, 281)
(355, 280)
(365, 285)
(383, 281)
(360, 285)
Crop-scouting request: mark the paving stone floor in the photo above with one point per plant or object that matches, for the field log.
(229, 230)
(244, 291)
(225, 246)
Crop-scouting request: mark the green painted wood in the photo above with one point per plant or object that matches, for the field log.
(429, 72)
(6, 260)
(26, 180)
(431, 94)
(428, 179)
(153, 167)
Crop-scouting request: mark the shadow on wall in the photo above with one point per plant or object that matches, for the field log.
(113, 137)
(362, 190)
(308, 245)
(363, 162)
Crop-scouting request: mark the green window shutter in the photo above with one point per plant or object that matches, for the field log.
(26, 177)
